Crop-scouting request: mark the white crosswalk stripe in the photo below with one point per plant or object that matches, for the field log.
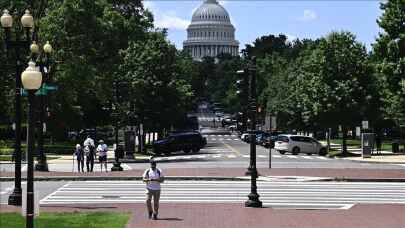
(284, 194)
(226, 153)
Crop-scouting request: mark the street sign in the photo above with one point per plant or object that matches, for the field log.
(364, 124)
(41, 91)
(50, 87)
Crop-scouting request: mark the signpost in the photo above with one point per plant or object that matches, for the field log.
(367, 144)
(364, 124)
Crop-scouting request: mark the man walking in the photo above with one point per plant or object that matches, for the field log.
(153, 177)
(89, 148)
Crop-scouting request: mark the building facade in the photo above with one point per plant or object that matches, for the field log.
(210, 32)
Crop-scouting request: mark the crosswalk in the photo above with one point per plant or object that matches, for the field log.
(225, 153)
(276, 194)
(222, 138)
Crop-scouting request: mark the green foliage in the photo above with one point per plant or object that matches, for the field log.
(159, 93)
(328, 80)
(88, 37)
(389, 58)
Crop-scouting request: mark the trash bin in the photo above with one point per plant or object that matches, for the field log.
(395, 147)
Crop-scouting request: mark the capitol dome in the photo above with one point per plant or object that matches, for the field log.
(211, 32)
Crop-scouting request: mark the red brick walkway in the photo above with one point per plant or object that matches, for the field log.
(236, 215)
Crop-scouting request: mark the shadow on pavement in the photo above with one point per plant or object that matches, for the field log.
(170, 219)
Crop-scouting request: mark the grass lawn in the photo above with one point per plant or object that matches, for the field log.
(68, 220)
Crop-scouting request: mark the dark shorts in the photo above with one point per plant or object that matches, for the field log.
(102, 158)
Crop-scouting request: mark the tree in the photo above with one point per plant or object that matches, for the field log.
(87, 37)
(159, 94)
(389, 58)
(337, 83)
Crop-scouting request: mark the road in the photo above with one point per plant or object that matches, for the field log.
(275, 194)
(225, 149)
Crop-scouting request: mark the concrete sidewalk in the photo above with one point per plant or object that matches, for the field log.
(227, 174)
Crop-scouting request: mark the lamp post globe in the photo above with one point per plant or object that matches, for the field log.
(27, 20)
(34, 47)
(6, 19)
(48, 48)
(31, 78)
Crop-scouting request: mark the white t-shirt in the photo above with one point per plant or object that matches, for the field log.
(102, 149)
(88, 142)
(153, 185)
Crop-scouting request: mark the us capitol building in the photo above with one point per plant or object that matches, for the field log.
(210, 32)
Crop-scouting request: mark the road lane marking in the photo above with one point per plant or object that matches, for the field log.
(276, 156)
(291, 156)
(7, 190)
(233, 149)
(262, 156)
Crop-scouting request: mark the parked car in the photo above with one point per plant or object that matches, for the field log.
(296, 144)
(245, 136)
(182, 141)
(268, 141)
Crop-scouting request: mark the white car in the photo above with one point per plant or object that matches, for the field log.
(296, 144)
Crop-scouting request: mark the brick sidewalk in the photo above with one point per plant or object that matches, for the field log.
(207, 215)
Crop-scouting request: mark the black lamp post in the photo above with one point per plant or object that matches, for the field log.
(31, 79)
(44, 66)
(27, 23)
(253, 200)
(119, 151)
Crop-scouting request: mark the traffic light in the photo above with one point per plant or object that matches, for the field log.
(242, 91)
(242, 86)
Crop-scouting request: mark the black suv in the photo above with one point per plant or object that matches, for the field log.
(185, 141)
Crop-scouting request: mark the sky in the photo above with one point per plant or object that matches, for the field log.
(294, 18)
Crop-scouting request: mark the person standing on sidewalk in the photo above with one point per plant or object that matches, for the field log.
(153, 177)
(102, 154)
(89, 148)
(79, 153)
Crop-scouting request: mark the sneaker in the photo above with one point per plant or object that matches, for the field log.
(150, 215)
(154, 216)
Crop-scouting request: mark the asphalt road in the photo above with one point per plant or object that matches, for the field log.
(225, 149)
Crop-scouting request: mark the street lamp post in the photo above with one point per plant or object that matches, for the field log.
(44, 66)
(253, 200)
(118, 152)
(31, 80)
(27, 23)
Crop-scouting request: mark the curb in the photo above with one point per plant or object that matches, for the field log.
(194, 178)
(96, 178)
